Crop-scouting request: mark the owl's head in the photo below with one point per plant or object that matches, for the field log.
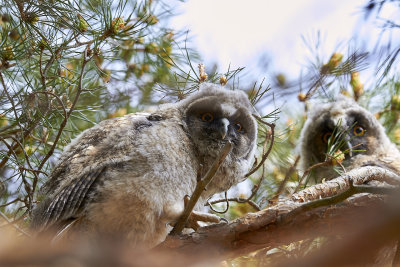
(215, 115)
(342, 125)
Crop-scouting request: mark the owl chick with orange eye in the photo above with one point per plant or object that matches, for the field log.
(126, 178)
(362, 137)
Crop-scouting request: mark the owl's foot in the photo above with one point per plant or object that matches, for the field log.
(196, 217)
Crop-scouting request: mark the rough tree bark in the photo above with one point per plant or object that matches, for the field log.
(292, 219)
(328, 209)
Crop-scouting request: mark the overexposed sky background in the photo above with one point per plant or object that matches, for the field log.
(247, 33)
(241, 33)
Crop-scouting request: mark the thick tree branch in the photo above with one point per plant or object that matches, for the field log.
(358, 176)
(372, 242)
(266, 229)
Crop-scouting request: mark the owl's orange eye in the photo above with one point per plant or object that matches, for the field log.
(326, 137)
(358, 131)
(207, 117)
(238, 127)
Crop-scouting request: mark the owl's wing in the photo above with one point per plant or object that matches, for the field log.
(82, 164)
(107, 141)
(66, 204)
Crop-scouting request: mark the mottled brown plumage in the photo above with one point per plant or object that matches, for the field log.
(361, 132)
(127, 177)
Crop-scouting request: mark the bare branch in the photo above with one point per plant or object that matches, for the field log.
(64, 122)
(235, 199)
(265, 156)
(306, 172)
(56, 97)
(286, 179)
(200, 186)
(353, 189)
(13, 224)
(11, 202)
(267, 229)
(11, 101)
(338, 185)
(28, 187)
(226, 200)
(372, 242)
(396, 259)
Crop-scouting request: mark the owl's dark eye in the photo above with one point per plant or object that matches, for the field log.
(238, 127)
(326, 137)
(207, 117)
(358, 131)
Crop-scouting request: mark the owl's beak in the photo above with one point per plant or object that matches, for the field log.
(349, 145)
(223, 127)
(350, 148)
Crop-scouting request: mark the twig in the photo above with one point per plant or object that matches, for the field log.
(54, 55)
(64, 122)
(359, 176)
(66, 116)
(11, 101)
(306, 172)
(254, 191)
(200, 186)
(353, 189)
(11, 202)
(265, 156)
(26, 133)
(6, 65)
(14, 225)
(221, 200)
(259, 230)
(286, 179)
(257, 186)
(396, 259)
(235, 199)
(42, 76)
(33, 170)
(28, 188)
(56, 97)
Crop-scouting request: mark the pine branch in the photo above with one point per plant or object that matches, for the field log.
(268, 228)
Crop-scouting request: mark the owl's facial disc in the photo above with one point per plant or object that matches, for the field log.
(211, 124)
(350, 140)
(220, 129)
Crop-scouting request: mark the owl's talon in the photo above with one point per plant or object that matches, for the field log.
(186, 199)
(196, 217)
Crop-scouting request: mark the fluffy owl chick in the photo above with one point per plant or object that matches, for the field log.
(127, 177)
(358, 131)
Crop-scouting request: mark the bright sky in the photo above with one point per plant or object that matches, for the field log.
(241, 32)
